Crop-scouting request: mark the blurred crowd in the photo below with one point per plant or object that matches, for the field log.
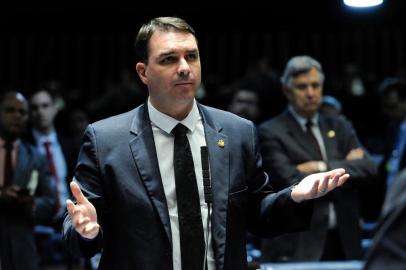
(368, 116)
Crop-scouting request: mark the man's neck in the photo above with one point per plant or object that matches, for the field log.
(7, 138)
(179, 111)
(45, 132)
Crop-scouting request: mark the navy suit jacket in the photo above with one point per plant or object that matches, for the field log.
(118, 172)
(284, 145)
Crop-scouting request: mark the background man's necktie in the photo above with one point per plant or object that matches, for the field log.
(52, 169)
(310, 134)
(187, 197)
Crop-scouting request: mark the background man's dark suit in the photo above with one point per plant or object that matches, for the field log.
(118, 172)
(17, 244)
(284, 145)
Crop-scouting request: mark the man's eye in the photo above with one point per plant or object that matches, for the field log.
(167, 60)
(191, 57)
(301, 86)
(315, 85)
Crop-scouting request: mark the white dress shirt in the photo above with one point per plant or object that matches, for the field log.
(162, 126)
(315, 129)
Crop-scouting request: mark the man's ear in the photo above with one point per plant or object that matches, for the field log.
(286, 92)
(141, 70)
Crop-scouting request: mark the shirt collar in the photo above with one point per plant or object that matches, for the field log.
(167, 123)
(301, 120)
(40, 138)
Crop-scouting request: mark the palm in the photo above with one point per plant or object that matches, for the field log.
(318, 184)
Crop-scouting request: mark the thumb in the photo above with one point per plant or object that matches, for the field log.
(77, 193)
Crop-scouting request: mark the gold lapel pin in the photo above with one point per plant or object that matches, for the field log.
(331, 134)
(221, 143)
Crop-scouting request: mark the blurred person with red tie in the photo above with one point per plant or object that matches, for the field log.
(26, 194)
(50, 144)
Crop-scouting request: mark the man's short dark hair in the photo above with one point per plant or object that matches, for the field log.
(164, 24)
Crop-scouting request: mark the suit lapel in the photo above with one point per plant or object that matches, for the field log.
(218, 146)
(23, 163)
(146, 160)
(329, 135)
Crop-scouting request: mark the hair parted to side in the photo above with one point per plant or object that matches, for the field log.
(298, 65)
(164, 24)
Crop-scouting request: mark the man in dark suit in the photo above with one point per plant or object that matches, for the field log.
(26, 193)
(52, 145)
(299, 142)
(127, 197)
(389, 244)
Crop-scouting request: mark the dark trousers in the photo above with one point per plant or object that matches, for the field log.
(333, 249)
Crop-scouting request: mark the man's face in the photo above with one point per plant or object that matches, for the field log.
(13, 115)
(305, 93)
(245, 104)
(173, 72)
(42, 111)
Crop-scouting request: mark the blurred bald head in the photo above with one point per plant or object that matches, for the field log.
(13, 115)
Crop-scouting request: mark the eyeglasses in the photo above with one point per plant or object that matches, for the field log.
(304, 86)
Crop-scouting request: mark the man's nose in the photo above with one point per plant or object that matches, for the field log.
(184, 68)
(310, 90)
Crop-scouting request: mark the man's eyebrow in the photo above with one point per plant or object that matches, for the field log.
(164, 54)
(193, 51)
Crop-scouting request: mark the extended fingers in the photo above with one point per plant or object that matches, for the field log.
(70, 206)
(77, 193)
(343, 179)
(335, 180)
(323, 185)
(77, 218)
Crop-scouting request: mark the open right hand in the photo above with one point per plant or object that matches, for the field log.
(83, 214)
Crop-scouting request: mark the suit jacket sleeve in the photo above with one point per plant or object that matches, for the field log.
(277, 212)
(88, 169)
(348, 139)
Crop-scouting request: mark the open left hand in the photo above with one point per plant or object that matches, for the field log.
(319, 184)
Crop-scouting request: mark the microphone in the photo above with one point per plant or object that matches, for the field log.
(208, 197)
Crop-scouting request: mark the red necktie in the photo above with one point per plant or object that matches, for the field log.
(8, 165)
(52, 169)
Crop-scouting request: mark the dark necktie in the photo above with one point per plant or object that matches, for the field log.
(313, 139)
(52, 169)
(187, 197)
(8, 165)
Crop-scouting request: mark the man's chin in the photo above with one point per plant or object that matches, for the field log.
(185, 99)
